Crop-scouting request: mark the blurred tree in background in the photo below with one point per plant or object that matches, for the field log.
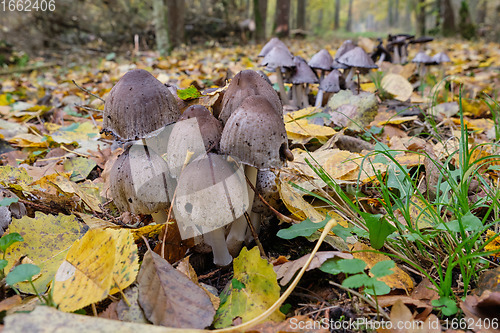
(101, 26)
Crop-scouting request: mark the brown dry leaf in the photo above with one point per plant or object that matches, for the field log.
(403, 321)
(170, 298)
(132, 313)
(110, 312)
(287, 270)
(185, 267)
(175, 246)
(398, 86)
(399, 280)
(289, 325)
(10, 302)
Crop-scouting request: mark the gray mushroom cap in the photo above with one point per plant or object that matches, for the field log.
(331, 82)
(210, 127)
(358, 58)
(138, 181)
(422, 58)
(303, 73)
(441, 57)
(256, 135)
(269, 46)
(244, 84)
(211, 193)
(278, 57)
(321, 60)
(138, 105)
(346, 46)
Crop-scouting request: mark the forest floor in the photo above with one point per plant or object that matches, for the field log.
(411, 180)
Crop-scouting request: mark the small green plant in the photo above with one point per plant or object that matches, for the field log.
(5, 242)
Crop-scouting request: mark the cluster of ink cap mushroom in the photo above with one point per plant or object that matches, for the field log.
(336, 73)
(210, 168)
(203, 164)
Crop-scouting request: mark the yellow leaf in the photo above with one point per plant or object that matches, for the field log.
(397, 120)
(303, 128)
(86, 274)
(398, 86)
(399, 280)
(47, 239)
(296, 204)
(126, 264)
(15, 178)
(147, 231)
(410, 159)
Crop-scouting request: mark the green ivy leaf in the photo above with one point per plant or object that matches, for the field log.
(189, 93)
(236, 284)
(341, 232)
(376, 287)
(5, 202)
(3, 263)
(352, 266)
(7, 240)
(469, 223)
(305, 228)
(446, 304)
(383, 268)
(379, 229)
(22, 273)
(356, 281)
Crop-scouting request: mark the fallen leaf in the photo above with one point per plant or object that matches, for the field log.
(252, 290)
(287, 270)
(296, 204)
(170, 298)
(398, 86)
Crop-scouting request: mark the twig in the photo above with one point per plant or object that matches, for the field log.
(364, 298)
(87, 91)
(255, 236)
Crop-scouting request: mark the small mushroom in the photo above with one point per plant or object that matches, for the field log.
(139, 182)
(330, 84)
(423, 60)
(138, 105)
(256, 136)
(356, 58)
(321, 61)
(301, 77)
(247, 83)
(279, 59)
(269, 46)
(196, 133)
(440, 58)
(211, 193)
(381, 54)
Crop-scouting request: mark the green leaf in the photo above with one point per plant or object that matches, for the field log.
(469, 223)
(305, 228)
(236, 284)
(379, 229)
(23, 272)
(5, 202)
(342, 232)
(447, 305)
(3, 263)
(383, 268)
(351, 266)
(189, 93)
(331, 266)
(7, 240)
(376, 287)
(356, 281)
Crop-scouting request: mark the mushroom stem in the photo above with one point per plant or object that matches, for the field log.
(305, 99)
(319, 98)
(215, 239)
(381, 60)
(295, 95)
(397, 57)
(239, 227)
(279, 77)
(349, 75)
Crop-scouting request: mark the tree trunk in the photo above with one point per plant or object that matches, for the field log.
(260, 15)
(348, 25)
(390, 9)
(396, 13)
(420, 13)
(282, 19)
(175, 22)
(336, 16)
(481, 12)
(160, 22)
(449, 28)
(301, 15)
